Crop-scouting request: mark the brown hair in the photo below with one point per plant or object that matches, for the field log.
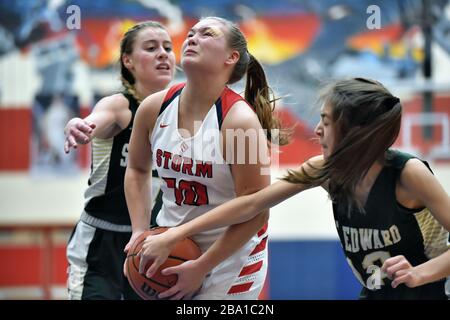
(367, 121)
(257, 90)
(126, 47)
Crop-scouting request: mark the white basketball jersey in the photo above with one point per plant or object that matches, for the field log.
(196, 179)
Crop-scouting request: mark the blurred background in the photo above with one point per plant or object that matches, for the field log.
(57, 58)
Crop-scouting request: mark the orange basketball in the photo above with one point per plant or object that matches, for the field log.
(149, 288)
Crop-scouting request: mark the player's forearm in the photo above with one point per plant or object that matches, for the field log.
(137, 194)
(231, 241)
(236, 211)
(434, 269)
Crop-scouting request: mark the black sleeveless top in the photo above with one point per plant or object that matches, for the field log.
(105, 195)
(388, 229)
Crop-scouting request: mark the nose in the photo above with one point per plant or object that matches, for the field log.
(163, 54)
(192, 40)
(318, 130)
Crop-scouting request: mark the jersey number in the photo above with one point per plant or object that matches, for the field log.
(375, 280)
(188, 192)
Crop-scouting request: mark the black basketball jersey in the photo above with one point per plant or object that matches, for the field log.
(105, 196)
(388, 229)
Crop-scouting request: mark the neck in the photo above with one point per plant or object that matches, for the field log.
(144, 91)
(372, 173)
(198, 97)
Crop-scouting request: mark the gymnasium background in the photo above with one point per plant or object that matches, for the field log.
(58, 57)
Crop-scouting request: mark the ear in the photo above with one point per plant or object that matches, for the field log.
(127, 61)
(233, 58)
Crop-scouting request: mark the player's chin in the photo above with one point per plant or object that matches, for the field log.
(188, 62)
(325, 152)
(164, 74)
(163, 79)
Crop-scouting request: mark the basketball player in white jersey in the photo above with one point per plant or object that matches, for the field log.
(95, 250)
(176, 130)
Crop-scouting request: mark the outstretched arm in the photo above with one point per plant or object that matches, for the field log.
(236, 211)
(110, 115)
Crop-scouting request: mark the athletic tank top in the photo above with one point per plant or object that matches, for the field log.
(388, 229)
(105, 196)
(195, 178)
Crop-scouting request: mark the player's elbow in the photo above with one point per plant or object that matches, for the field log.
(262, 217)
(134, 168)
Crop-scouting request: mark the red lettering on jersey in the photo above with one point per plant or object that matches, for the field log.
(190, 193)
(159, 154)
(167, 157)
(171, 184)
(203, 168)
(179, 163)
(187, 166)
(176, 163)
(202, 193)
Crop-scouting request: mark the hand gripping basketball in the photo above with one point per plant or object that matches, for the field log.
(149, 287)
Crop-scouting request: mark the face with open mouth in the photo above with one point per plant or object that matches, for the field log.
(153, 60)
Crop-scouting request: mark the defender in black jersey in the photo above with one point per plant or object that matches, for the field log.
(388, 229)
(96, 248)
(391, 213)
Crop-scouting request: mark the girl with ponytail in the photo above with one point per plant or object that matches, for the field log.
(391, 213)
(209, 146)
(95, 250)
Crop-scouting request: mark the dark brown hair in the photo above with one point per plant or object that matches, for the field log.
(366, 118)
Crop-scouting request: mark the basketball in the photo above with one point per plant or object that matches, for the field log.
(149, 288)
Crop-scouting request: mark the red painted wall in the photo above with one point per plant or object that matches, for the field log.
(15, 133)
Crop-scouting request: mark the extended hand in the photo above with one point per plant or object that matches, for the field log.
(77, 131)
(400, 271)
(156, 248)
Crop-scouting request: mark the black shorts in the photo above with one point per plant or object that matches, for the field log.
(96, 261)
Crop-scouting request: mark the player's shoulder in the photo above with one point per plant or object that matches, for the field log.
(414, 169)
(153, 102)
(159, 101)
(150, 108)
(237, 112)
(240, 115)
(113, 102)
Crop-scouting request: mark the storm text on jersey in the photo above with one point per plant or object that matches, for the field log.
(178, 163)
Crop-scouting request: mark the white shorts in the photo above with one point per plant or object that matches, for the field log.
(241, 276)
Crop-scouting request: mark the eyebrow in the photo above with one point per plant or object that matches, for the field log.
(156, 41)
(202, 29)
(324, 115)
